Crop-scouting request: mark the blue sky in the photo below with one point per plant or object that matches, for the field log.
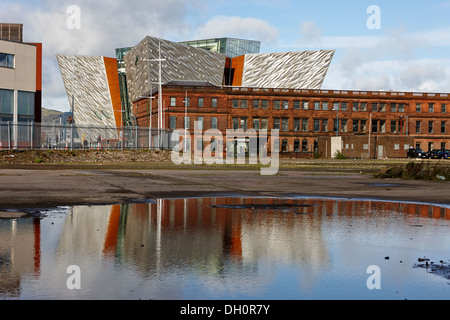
(410, 51)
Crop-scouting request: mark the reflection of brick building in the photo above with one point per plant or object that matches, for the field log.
(379, 124)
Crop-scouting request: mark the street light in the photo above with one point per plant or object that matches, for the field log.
(159, 91)
(401, 136)
(150, 117)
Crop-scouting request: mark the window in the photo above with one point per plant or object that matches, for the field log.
(213, 122)
(200, 102)
(418, 126)
(276, 123)
(6, 101)
(344, 106)
(187, 122)
(6, 60)
(355, 125)
(375, 126)
(401, 107)
(244, 104)
(264, 124)
(256, 123)
(363, 125)
(382, 107)
(418, 107)
(442, 145)
(256, 104)
(363, 106)
(25, 103)
(394, 126)
(325, 105)
(235, 103)
(296, 105)
(285, 104)
(430, 126)
(173, 123)
(336, 106)
(325, 125)
(316, 125)
(443, 127)
(235, 123)
(276, 104)
(200, 123)
(335, 125)
(418, 145)
(296, 145)
(264, 104)
(394, 107)
(304, 145)
(383, 126)
(443, 108)
(188, 102)
(304, 125)
(374, 107)
(344, 125)
(285, 124)
(305, 105)
(316, 105)
(355, 106)
(244, 124)
(284, 145)
(173, 101)
(296, 124)
(431, 107)
(214, 102)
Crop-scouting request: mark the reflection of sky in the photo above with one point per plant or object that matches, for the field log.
(206, 249)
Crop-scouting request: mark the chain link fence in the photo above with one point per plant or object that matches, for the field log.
(36, 136)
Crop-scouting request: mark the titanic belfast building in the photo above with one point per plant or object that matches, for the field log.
(227, 84)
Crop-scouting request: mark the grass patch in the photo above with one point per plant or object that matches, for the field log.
(423, 170)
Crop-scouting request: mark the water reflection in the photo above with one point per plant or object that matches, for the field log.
(217, 248)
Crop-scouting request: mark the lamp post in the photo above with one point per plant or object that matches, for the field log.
(401, 136)
(159, 90)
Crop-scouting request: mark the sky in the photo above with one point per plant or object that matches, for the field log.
(380, 45)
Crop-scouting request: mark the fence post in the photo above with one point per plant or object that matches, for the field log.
(32, 137)
(9, 135)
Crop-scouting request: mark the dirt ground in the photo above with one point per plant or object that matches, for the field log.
(105, 177)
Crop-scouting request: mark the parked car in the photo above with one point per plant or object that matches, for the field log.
(416, 153)
(433, 154)
(444, 154)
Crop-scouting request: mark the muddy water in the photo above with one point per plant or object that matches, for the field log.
(229, 248)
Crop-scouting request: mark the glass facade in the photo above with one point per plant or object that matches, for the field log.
(126, 105)
(231, 47)
(6, 105)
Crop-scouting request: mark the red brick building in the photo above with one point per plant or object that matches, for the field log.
(365, 123)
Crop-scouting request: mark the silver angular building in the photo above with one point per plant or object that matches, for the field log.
(180, 63)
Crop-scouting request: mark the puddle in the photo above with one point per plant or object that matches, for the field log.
(232, 248)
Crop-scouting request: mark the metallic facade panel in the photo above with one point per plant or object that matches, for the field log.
(181, 63)
(293, 70)
(86, 79)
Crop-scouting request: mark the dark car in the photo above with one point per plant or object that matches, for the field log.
(416, 153)
(433, 154)
(444, 154)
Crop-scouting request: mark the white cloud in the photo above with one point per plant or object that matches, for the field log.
(105, 26)
(311, 32)
(238, 27)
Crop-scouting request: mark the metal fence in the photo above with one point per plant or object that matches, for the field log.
(54, 136)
